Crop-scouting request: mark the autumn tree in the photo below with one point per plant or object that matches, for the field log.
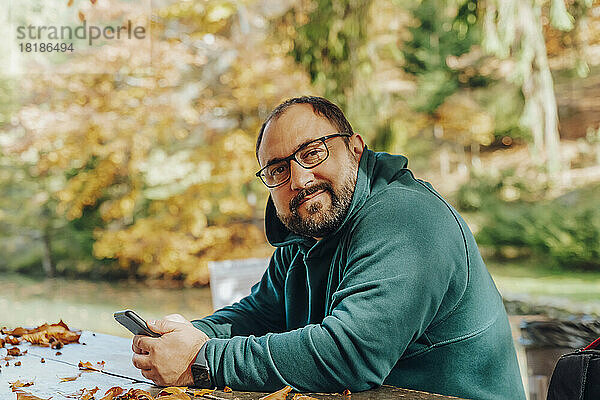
(166, 158)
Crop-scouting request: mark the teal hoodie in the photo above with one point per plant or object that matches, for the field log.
(398, 295)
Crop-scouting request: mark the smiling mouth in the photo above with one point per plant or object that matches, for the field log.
(311, 196)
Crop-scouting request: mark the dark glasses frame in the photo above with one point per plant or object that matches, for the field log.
(288, 159)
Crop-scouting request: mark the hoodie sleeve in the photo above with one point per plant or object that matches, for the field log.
(256, 314)
(400, 259)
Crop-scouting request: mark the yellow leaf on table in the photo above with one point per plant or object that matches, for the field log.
(13, 351)
(199, 392)
(88, 394)
(70, 378)
(139, 394)
(172, 390)
(299, 396)
(39, 338)
(23, 395)
(88, 366)
(227, 389)
(83, 394)
(12, 340)
(173, 393)
(112, 392)
(278, 395)
(18, 384)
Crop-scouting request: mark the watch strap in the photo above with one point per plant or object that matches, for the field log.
(200, 370)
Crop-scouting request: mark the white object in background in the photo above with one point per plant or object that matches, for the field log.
(231, 280)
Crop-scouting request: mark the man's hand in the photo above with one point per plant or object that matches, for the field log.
(167, 360)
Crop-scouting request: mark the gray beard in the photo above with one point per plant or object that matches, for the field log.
(330, 220)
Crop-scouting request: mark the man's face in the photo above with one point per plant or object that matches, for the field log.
(314, 201)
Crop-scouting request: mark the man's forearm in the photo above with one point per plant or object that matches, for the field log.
(307, 359)
(213, 330)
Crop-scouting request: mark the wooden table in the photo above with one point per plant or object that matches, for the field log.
(119, 371)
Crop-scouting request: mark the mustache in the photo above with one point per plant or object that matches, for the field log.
(295, 202)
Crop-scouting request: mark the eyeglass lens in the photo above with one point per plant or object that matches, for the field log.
(309, 156)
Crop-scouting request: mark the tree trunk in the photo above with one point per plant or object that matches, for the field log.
(538, 89)
(515, 26)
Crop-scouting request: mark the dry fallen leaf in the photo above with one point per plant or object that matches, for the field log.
(42, 360)
(46, 334)
(70, 3)
(278, 395)
(18, 384)
(139, 394)
(112, 392)
(23, 395)
(172, 390)
(88, 394)
(1, 343)
(93, 1)
(83, 394)
(14, 351)
(299, 396)
(199, 392)
(18, 364)
(58, 353)
(81, 16)
(15, 332)
(173, 393)
(12, 340)
(88, 366)
(70, 378)
(227, 389)
(39, 338)
(174, 396)
(346, 392)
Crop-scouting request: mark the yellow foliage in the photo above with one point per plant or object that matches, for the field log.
(464, 121)
(167, 158)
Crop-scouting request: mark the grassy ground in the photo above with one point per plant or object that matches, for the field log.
(573, 291)
(554, 292)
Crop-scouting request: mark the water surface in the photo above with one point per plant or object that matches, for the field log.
(90, 305)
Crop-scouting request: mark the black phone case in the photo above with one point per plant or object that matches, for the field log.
(134, 323)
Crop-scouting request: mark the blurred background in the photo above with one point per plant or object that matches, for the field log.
(118, 188)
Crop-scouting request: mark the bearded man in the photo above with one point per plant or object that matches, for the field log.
(375, 280)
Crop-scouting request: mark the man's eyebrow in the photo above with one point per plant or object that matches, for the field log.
(274, 161)
(278, 159)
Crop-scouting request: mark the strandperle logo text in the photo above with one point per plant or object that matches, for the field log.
(83, 31)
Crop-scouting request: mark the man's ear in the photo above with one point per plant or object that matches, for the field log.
(357, 145)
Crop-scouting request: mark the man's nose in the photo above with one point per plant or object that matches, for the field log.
(299, 177)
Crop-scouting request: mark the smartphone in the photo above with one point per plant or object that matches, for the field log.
(134, 323)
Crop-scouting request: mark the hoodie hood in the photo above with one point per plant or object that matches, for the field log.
(375, 171)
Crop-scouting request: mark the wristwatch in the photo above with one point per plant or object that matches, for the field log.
(200, 370)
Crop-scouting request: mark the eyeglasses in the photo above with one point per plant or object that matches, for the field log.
(308, 156)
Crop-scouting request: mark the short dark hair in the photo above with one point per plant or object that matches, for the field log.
(320, 105)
